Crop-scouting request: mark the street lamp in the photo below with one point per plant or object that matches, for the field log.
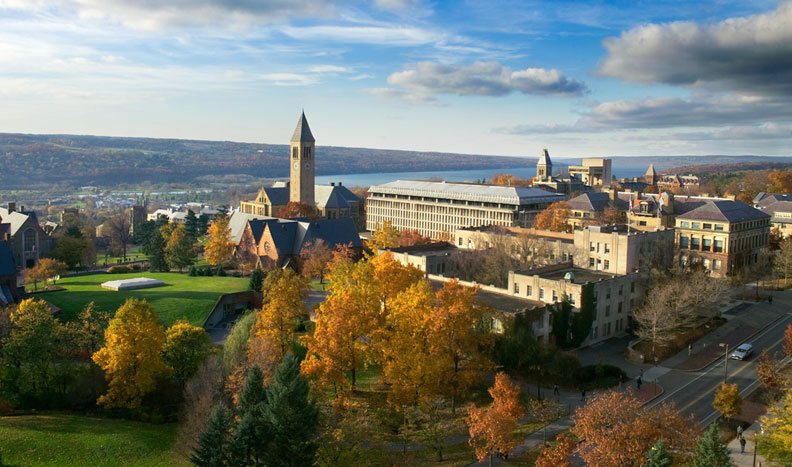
(725, 361)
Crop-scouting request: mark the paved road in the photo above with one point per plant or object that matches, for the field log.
(693, 392)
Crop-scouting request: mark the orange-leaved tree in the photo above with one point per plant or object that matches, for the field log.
(409, 237)
(492, 428)
(284, 292)
(385, 236)
(316, 260)
(554, 218)
(391, 278)
(728, 400)
(615, 429)
(559, 455)
(131, 357)
(458, 336)
(408, 366)
(296, 209)
(788, 341)
(46, 269)
(219, 249)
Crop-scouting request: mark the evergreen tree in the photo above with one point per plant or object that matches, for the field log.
(143, 234)
(157, 260)
(213, 446)
(292, 416)
(253, 395)
(256, 279)
(249, 442)
(710, 451)
(659, 456)
(191, 225)
(203, 224)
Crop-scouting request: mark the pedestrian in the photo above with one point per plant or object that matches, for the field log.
(742, 445)
(556, 392)
(739, 432)
(639, 382)
(583, 395)
(690, 349)
(770, 299)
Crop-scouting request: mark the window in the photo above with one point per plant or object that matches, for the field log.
(719, 227)
(707, 226)
(684, 224)
(607, 294)
(642, 223)
(599, 264)
(632, 286)
(716, 264)
(695, 243)
(555, 296)
(706, 263)
(591, 262)
(696, 225)
(541, 294)
(718, 246)
(619, 310)
(607, 310)
(30, 240)
(707, 243)
(607, 248)
(607, 264)
(470, 243)
(591, 246)
(516, 288)
(572, 299)
(528, 291)
(598, 247)
(460, 241)
(621, 290)
(684, 242)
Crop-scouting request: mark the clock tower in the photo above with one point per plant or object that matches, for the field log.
(301, 181)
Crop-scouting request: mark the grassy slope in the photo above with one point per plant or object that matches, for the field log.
(64, 440)
(184, 297)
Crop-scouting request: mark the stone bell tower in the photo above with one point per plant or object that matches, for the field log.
(301, 181)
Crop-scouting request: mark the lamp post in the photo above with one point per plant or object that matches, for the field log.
(725, 361)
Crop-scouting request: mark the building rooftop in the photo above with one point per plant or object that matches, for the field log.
(515, 231)
(596, 202)
(558, 272)
(427, 249)
(498, 301)
(303, 132)
(468, 192)
(544, 159)
(726, 211)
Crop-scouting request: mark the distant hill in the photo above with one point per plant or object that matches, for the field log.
(40, 161)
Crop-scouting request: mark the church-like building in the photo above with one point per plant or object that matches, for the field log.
(332, 201)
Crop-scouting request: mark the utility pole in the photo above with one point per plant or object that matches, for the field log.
(725, 361)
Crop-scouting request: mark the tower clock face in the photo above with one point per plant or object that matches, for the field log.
(295, 165)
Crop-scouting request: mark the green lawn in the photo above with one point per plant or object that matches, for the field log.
(75, 440)
(183, 297)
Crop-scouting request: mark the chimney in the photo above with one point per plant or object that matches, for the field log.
(332, 183)
(11, 207)
(613, 193)
(339, 183)
(668, 203)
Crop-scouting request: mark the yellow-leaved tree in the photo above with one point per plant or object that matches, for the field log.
(457, 339)
(728, 401)
(492, 428)
(392, 278)
(219, 249)
(186, 348)
(776, 441)
(131, 357)
(554, 218)
(384, 236)
(284, 292)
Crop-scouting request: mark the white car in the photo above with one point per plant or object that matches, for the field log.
(742, 352)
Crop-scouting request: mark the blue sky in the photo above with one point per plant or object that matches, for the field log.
(484, 77)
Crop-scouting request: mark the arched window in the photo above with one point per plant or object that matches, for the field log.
(29, 240)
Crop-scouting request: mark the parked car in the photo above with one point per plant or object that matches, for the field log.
(742, 352)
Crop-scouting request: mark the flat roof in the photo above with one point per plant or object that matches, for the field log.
(468, 192)
(581, 275)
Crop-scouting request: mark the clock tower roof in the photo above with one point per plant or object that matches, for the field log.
(303, 132)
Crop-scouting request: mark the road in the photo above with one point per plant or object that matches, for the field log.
(693, 392)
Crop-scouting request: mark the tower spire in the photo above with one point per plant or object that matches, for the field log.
(303, 132)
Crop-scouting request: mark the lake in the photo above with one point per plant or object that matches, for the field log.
(473, 175)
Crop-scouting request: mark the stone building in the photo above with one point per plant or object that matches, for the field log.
(550, 247)
(619, 250)
(438, 209)
(9, 292)
(593, 171)
(330, 201)
(431, 258)
(26, 239)
(724, 236)
(545, 180)
(779, 207)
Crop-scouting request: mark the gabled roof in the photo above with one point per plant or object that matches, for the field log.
(238, 222)
(775, 204)
(7, 267)
(725, 211)
(333, 232)
(303, 132)
(651, 171)
(544, 159)
(283, 234)
(596, 202)
(278, 196)
(329, 197)
(16, 219)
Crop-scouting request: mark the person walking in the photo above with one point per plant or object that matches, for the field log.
(742, 445)
(739, 432)
(556, 392)
(583, 395)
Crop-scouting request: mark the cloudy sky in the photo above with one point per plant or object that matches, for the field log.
(588, 78)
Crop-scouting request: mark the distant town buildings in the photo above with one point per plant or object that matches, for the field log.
(544, 178)
(779, 208)
(25, 238)
(438, 209)
(330, 201)
(593, 171)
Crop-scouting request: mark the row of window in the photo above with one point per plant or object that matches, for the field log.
(701, 244)
(596, 247)
(700, 225)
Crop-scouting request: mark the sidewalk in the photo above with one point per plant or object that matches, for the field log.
(746, 459)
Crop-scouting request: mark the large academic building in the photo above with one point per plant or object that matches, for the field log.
(438, 209)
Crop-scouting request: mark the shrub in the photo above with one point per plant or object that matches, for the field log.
(236, 274)
(599, 376)
(118, 270)
(136, 267)
(208, 271)
(221, 271)
(193, 271)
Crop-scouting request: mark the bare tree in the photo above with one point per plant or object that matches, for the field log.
(783, 258)
(120, 230)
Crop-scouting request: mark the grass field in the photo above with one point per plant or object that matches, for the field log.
(75, 440)
(183, 297)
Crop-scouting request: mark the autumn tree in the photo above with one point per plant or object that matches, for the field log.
(710, 450)
(409, 237)
(316, 260)
(788, 341)
(346, 435)
(492, 428)
(559, 455)
(508, 180)
(554, 218)
(776, 440)
(384, 236)
(780, 181)
(284, 292)
(769, 371)
(179, 251)
(120, 231)
(131, 357)
(219, 249)
(457, 339)
(783, 258)
(296, 209)
(624, 436)
(612, 215)
(46, 269)
(728, 400)
(186, 348)
(89, 328)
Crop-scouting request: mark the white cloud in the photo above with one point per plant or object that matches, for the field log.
(483, 79)
(381, 35)
(329, 69)
(747, 55)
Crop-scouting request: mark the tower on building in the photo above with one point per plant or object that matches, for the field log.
(544, 168)
(650, 176)
(301, 181)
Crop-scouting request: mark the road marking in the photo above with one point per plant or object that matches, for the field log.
(712, 366)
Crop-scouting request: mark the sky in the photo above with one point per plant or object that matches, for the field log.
(582, 79)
